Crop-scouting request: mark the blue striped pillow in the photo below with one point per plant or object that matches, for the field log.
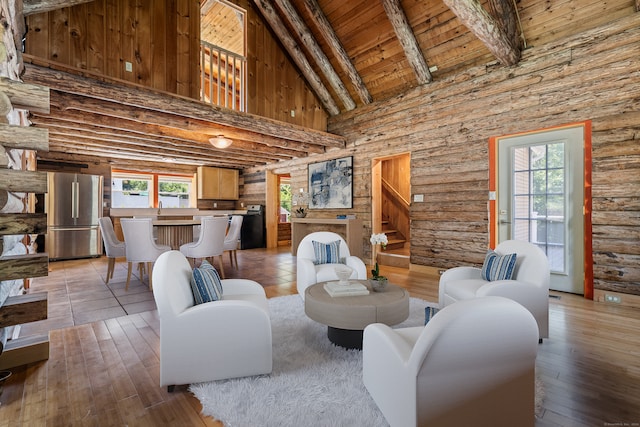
(498, 267)
(326, 253)
(205, 284)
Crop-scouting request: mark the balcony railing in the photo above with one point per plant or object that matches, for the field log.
(222, 77)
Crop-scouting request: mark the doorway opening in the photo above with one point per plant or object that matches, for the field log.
(390, 208)
(285, 207)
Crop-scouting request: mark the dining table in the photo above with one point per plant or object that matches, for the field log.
(175, 232)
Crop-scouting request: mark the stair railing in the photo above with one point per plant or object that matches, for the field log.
(222, 77)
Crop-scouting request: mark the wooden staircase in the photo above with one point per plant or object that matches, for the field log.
(396, 254)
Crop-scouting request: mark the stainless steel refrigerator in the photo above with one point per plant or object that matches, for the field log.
(73, 206)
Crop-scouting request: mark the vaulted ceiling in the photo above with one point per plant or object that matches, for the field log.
(351, 53)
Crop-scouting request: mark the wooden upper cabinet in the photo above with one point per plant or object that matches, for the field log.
(217, 183)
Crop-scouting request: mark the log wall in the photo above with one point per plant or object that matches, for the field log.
(158, 37)
(446, 126)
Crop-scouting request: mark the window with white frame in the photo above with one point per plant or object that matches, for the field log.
(147, 190)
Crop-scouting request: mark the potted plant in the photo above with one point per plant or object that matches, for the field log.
(378, 282)
(300, 212)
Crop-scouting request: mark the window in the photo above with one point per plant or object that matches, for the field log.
(285, 198)
(145, 190)
(131, 190)
(174, 191)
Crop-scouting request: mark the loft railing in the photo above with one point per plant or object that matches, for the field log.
(222, 77)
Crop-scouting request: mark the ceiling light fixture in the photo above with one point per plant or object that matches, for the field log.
(220, 142)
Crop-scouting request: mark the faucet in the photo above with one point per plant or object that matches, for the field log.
(159, 206)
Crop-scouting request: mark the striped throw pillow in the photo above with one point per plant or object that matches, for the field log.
(205, 283)
(326, 253)
(498, 267)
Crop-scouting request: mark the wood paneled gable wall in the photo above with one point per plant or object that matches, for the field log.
(160, 39)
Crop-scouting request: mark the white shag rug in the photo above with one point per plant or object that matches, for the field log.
(313, 382)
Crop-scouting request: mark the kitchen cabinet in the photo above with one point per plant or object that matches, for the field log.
(217, 183)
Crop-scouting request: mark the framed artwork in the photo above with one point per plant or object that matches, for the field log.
(331, 184)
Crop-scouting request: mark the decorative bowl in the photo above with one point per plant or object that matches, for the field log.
(378, 285)
(343, 272)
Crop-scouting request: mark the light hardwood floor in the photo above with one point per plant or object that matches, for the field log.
(103, 365)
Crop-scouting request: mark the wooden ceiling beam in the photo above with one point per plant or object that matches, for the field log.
(325, 28)
(312, 46)
(147, 99)
(31, 7)
(297, 55)
(487, 29)
(90, 111)
(407, 39)
(109, 140)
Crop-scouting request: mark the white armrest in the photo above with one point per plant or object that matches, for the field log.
(305, 275)
(461, 273)
(358, 265)
(242, 286)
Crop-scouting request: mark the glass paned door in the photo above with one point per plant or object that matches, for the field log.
(540, 199)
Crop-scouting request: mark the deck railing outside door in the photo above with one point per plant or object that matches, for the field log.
(222, 77)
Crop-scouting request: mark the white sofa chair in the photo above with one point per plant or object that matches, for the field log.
(472, 365)
(309, 273)
(216, 340)
(529, 285)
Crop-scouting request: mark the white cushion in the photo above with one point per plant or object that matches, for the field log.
(465, 289)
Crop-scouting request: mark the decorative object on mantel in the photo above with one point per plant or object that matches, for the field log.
(220, 141)
(300, 200)
(300, 212)
(313, 381)
(377, 239)
(377, 282)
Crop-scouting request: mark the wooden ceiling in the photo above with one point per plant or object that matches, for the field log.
(352, 53)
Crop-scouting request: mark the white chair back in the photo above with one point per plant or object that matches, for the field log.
(198, 227)
(171, 299)
(532, 264)
(211, 239)
(112, 246)
(139, 242)
(305, 248)
(233, 234)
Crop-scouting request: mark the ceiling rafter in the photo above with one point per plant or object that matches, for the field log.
(407, 39)
(488, 29)
(298, 56)
(325, 28)
(321, 60)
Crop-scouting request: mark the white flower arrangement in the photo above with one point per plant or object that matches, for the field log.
(379, 239)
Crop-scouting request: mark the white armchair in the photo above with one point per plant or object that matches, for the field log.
(472, 365)
(309, 273)
(529, 285)
(216, 340)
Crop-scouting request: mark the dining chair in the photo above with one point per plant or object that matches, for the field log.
(113, 247)
(211, 241)
(197, 227)
(231, 239)
(140, 245)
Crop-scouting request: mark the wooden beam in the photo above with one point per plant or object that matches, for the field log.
(31, 7)
(23, 181)
(325, 28)
(297, 55)
(24, 266)
(28, 138)
(22, 223)
(316, 52)
(26, 308)
(153, 123)
(26, 96)
(145, 99)
(408, 40)
(484, 27)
